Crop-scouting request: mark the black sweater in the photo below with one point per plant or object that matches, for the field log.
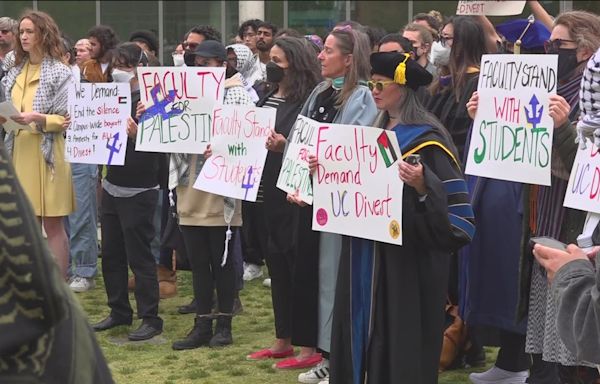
(141, 169)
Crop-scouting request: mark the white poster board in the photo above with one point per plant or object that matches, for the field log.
(98, 131)
(512, 131)
(490, 8)
(294, 176)
(8, 110)
(238, 138)
(179, 102)
(357, 190)
(583, 190)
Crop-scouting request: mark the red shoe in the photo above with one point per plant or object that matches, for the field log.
(295, 363)
(264, 354)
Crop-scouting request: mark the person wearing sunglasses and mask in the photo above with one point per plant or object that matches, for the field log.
(205, 218)
(294, 72)
(129, 198)
(343, 98)
(575, 37)
(407, 285)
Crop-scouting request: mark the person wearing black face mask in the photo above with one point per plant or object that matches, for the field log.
(294, 72)
(575, 37)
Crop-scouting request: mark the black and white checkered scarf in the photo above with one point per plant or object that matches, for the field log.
(589, 101)
(51, 97)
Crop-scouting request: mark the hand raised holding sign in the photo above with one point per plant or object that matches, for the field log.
(312, 163)
(558, 110)
(67, 122)
(208, 152)
(132, 128)
(275, 142)
(139, 110)
(472, 105)
(413, 176)
(294, 198)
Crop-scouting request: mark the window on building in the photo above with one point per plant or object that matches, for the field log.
(125, 17)
(315, 17)
(383, 14)
(14, 9)
(181, 16)
(592, 6)
(74, 19)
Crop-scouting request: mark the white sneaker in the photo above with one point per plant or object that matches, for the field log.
(318, 374)
(82, 284)
(252, 271)
(497, 375)
(267, 282)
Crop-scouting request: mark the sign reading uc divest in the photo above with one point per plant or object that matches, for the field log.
(357, 189)
(179, 102)
(511, 138)
(98, 131)
(583, 190)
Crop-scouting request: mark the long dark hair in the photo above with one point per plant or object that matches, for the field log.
(467, 48)
(129, 55)
(303, 71)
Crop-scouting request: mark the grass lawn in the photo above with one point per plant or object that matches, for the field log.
(157, 363)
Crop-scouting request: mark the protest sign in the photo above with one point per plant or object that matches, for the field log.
(294, 176)
(357, 190)
(511, 138)
(490, 8)
(583, 190)
(238, 137)
(179, 102)
(8, 110)
(98, 131)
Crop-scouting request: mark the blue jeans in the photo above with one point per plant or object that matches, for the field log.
(83, 230)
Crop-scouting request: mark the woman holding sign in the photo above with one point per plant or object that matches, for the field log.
(389, 307)
(294, 70)
(37, 86)
(344, 99)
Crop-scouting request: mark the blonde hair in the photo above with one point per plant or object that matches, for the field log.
(584, 28)
(424, 32)
(356, 43)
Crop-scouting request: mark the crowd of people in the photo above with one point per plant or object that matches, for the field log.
(358, 311)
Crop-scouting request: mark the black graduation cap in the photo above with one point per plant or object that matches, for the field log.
(531, 33)
(401, 68)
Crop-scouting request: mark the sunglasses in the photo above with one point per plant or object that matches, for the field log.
(378, 85)
(190, 46)
(552, 46)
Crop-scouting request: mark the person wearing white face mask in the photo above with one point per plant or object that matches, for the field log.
(177, 55)
(129, 198)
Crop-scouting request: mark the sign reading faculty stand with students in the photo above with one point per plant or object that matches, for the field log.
(511, 138)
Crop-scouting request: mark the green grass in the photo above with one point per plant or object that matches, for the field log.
(159, 364)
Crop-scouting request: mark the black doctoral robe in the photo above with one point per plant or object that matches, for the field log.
(389, 305)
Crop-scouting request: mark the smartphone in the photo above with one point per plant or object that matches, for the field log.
(413, 159)
(548, 242)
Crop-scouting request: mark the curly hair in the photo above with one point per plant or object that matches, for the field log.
(47, 35)
(106, 36)
(207, 31)
(252, 23)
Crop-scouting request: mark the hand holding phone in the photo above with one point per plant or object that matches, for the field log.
(413, 159)
(548, 242)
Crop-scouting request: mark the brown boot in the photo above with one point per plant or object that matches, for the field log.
(167, 282)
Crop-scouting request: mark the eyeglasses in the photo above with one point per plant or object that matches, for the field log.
(445, 39)
(378, 85)
(552, 46)
(190, 46)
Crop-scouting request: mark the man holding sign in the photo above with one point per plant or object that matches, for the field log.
(206, 220)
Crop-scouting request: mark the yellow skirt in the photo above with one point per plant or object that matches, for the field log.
(50, 193)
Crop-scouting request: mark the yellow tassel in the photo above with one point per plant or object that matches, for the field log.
(400, 72)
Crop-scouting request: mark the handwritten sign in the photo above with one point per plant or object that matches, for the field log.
(490, 8)
(238, 137)
(179, 102)
(294, 175)
(512, 131)
(98, 131)
(583, 190)
(357, 188)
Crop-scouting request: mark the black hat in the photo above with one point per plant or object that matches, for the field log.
(210, 49)
(401, 68)
(147, 37)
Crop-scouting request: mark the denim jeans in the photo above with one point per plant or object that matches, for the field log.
(82, 224)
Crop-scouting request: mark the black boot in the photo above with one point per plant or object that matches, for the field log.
(188, 308)
(200, 335)
(222, 335)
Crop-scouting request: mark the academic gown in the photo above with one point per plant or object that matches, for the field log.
(389, 305)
